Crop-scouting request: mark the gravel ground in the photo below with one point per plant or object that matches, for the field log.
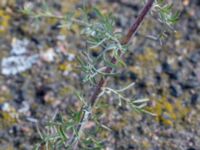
(41, 80)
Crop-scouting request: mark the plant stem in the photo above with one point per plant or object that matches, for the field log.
(132, 30)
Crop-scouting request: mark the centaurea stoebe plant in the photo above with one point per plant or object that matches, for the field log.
(99, 33)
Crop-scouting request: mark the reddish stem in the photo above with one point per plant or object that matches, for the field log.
(132, 30)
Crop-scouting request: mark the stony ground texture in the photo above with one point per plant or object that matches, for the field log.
(38, 77)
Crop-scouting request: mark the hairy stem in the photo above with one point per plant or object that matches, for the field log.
(132, 30)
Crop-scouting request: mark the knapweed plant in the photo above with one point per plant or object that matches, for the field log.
(99, 34)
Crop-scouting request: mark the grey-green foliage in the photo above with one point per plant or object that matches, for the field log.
(99, 34)
(167, 16)
(166, 13)
(58, 132)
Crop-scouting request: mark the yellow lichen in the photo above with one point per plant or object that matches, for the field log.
(145, 144)
(6, 146)
(148, 58)
(178, 35)
(4, 21)
(65, 91)
(68, 5)
(169, 113)
(5, 95)
(65, 30)
(7, 119)
(104, 134)
(2, 100)
(146, 63)
(65, 67)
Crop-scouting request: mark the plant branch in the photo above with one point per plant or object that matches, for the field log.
(125, 40)
(132, 30)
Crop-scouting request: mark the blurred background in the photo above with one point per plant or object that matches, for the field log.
(38, 79)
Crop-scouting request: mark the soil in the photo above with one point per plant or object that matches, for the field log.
(38, 79)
